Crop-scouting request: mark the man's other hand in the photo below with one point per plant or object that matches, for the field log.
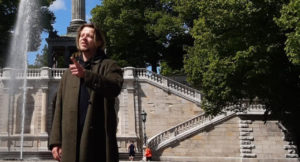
(56, 153)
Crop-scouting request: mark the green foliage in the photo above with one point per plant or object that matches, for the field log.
(141, 33)
(125, 41)
(289, 21)
(43, 22)
(41, 60)
(231, 49)
(7, 17)
(168, 71)
(239, 54)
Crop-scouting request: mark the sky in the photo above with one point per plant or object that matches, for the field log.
(63, 14)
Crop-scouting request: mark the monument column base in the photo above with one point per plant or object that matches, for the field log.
(74, 25)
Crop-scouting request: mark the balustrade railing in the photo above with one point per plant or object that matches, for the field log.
(139, 73)
(169, 84)
(19, 73)
(144, 73)
(32, 73)
(57, 72)
(176, 130)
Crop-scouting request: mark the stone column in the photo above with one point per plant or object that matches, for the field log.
(129, 83)
(45, 76)
(78, 17)
(78, 10)
(4, 110)
(44, 110)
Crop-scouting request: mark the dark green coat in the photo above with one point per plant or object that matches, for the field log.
(104, 82)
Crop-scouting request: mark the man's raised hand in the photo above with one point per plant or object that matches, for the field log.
(76, 69)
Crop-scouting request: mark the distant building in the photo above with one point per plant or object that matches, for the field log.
(62, 47)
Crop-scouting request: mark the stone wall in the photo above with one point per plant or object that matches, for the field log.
(164, 110)
(241, 138)
(221, 140)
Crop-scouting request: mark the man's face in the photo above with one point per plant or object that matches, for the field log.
(86, 40)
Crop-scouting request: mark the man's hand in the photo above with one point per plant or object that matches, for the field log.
(76, 69)
(56, 153)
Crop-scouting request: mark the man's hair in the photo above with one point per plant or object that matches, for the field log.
(98, 36)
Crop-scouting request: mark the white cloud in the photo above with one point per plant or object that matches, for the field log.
(58, 5)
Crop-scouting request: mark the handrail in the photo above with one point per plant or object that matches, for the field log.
(154, 141)
(169, 84)
(32, 73)
(57, 72)
(19, 73)
(201, 121)
(139, 73)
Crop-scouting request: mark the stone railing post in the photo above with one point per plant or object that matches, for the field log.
(45, 73)
(7, 73)
(165, 82)
(198, 97)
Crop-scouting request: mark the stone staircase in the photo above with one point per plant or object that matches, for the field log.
(196, 124)
(289, 138)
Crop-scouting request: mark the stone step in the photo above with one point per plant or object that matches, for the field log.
(47, 156)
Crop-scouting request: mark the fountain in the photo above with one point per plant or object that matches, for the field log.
(21, 42)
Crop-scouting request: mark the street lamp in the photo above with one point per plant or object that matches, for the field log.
(144, 117)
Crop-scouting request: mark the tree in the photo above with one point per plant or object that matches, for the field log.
(41, 60)
(8, 11)
(141, 33)
(239, 53)
(123, 24)
(7, 17)
(289, 21)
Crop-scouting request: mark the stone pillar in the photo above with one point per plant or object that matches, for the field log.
(78, 10)
(78, 17)
(44, 110)
(4, 110)
(129, 83)
(45, 76)
(7, 73)
(45, 73)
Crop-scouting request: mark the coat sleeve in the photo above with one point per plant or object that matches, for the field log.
(108, 82)
(56, 134)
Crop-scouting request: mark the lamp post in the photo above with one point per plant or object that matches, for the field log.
(144, 117)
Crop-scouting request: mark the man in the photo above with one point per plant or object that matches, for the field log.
(131, 151)
(84, 124)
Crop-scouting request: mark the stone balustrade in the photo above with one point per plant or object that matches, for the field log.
(32, 73)
(139, 73)
(57, 73)
(168, 84)
(173, 132)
